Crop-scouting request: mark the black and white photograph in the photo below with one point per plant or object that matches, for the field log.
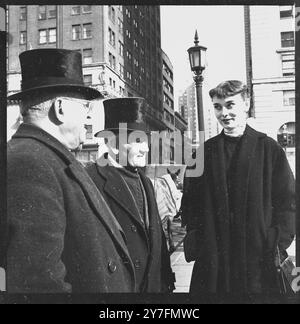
(149, 150)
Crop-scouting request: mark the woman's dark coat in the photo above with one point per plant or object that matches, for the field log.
(62, 235)
(147, 250)
(264, 201)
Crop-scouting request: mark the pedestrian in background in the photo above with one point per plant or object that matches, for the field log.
(243, 206)
(168, 199)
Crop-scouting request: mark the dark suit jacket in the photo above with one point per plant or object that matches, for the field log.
(63, 236)
(147, 251)
(233, 246)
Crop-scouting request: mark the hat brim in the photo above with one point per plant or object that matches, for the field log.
(87, 92)
(102, 133)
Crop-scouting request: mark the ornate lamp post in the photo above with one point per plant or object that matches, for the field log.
(197, 55)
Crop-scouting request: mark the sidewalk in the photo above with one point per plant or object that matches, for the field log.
(182, 269)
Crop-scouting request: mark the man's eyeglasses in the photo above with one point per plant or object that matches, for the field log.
(85, 103)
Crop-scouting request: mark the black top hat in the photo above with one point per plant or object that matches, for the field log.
(52, 68)
(124, 110)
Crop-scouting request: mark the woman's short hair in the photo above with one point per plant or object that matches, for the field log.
(229, 88)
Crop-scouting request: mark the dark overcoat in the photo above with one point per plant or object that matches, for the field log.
(148, 250)
(62, 235)
(233, 248)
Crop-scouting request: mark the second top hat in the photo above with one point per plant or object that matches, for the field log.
(129, 110)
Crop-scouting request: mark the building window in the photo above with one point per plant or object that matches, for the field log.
(128, 75)
(287, 39)
(23, 13)
(51, 11)
(42, 36)
(87, 31)
(75, 10)
(128, 14)
(120, 25)
(121, 67)
(76, 31)
(112, 37)
(87, 79)
(112, 61)
(128, 34)
(86, 9)
(121, 49)
(89, 128)
(121, 91)
(288, 64)
(111, 13)
(23, 37)
(129, 56)
(286, 12)
(87, 56)
(42, 12)
(289, 98)
(52, 35)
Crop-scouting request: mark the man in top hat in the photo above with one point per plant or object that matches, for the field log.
(62, 235)
(119, 177)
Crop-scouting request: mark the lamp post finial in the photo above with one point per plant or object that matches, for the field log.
(196, 41)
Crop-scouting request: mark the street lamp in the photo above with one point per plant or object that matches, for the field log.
(197, 56)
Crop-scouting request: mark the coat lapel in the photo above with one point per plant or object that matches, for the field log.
(155, 229)
(117, 189)
(220, 192)
(243, 166)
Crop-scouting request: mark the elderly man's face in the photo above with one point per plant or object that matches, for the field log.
(75, 118)
(231, 112)
(136, 152)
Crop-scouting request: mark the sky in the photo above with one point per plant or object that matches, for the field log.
(220, 29)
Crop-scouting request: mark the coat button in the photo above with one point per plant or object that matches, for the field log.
(137, 264)
(112, 267)
(133, 228)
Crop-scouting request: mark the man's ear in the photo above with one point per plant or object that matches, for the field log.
(58, 110)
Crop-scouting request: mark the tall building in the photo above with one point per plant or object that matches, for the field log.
(187, 106)
(120, 47)
(168, 92)
(188, 109)
(270, 58)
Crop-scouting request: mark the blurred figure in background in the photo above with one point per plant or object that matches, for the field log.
(168, 199)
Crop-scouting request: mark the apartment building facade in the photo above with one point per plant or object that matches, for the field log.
(270, 58)
(120, 47)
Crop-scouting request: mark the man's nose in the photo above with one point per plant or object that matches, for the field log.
(144, 148)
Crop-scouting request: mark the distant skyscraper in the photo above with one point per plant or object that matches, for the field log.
(187, 106)
(168, 92)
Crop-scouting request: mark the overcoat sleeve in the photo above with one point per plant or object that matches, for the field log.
(283, 199)
(193, 211)
(37, 224)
